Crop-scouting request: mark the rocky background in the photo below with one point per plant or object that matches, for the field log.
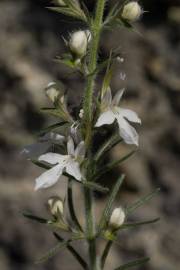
(30, 37)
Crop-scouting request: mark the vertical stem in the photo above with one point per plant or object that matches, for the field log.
(90, 229)
(88, 97)
(88, 111)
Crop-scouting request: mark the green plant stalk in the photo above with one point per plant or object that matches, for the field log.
(88, 126)
(90, 229)
(96, 27)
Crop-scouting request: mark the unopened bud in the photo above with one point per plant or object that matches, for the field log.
(131, 11)
(56, 206)
(78, 42)
(117, 218)
(120, 59)
(52, 92)
(81, 113)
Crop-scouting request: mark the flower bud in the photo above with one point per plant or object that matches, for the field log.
(52, 92)
(117, 218)
(56, 206)
(78, 42)
(131, 11)
(81, 113)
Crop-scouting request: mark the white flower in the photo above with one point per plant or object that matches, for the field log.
(44, 143)
(122, 76)
(131, 11)
(111, 112)
(79, 41)
(69, 163)
(117, 218)
(56, 206)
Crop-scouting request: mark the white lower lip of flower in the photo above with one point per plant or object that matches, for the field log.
(117, 218)
(131, 11)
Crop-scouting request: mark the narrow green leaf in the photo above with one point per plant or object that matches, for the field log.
(107, 77)
(112, 14)
(125, 23)
(52, 127)
(91, 185)
(72, 251)
(110, 166)
(95, 186)
(108, 207)
(136, 224)
(105, 253)
(133, 264)
(51, 111)
(71, 12)
(141, 201)
(52, 252)
(72, 4)
(71, 206)
(108, 145)
(86, 12)
(35, 218)
(40, 164)
(107, 62)
(67, 62)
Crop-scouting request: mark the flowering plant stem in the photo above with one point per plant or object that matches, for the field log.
(88, 107)
(96, 27)
(73, 154)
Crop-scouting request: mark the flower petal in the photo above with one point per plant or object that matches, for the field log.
(53, 158)
(80, 150)
(70, 146)
(105, 118)
(127, 132)
(49, 178)
(34, 150)
(129, 115)
(72, 168)
(117, 97)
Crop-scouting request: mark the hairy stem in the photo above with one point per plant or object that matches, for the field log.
(93, 55)
(88, 125)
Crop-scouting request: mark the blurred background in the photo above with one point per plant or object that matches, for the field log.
(30, 37)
